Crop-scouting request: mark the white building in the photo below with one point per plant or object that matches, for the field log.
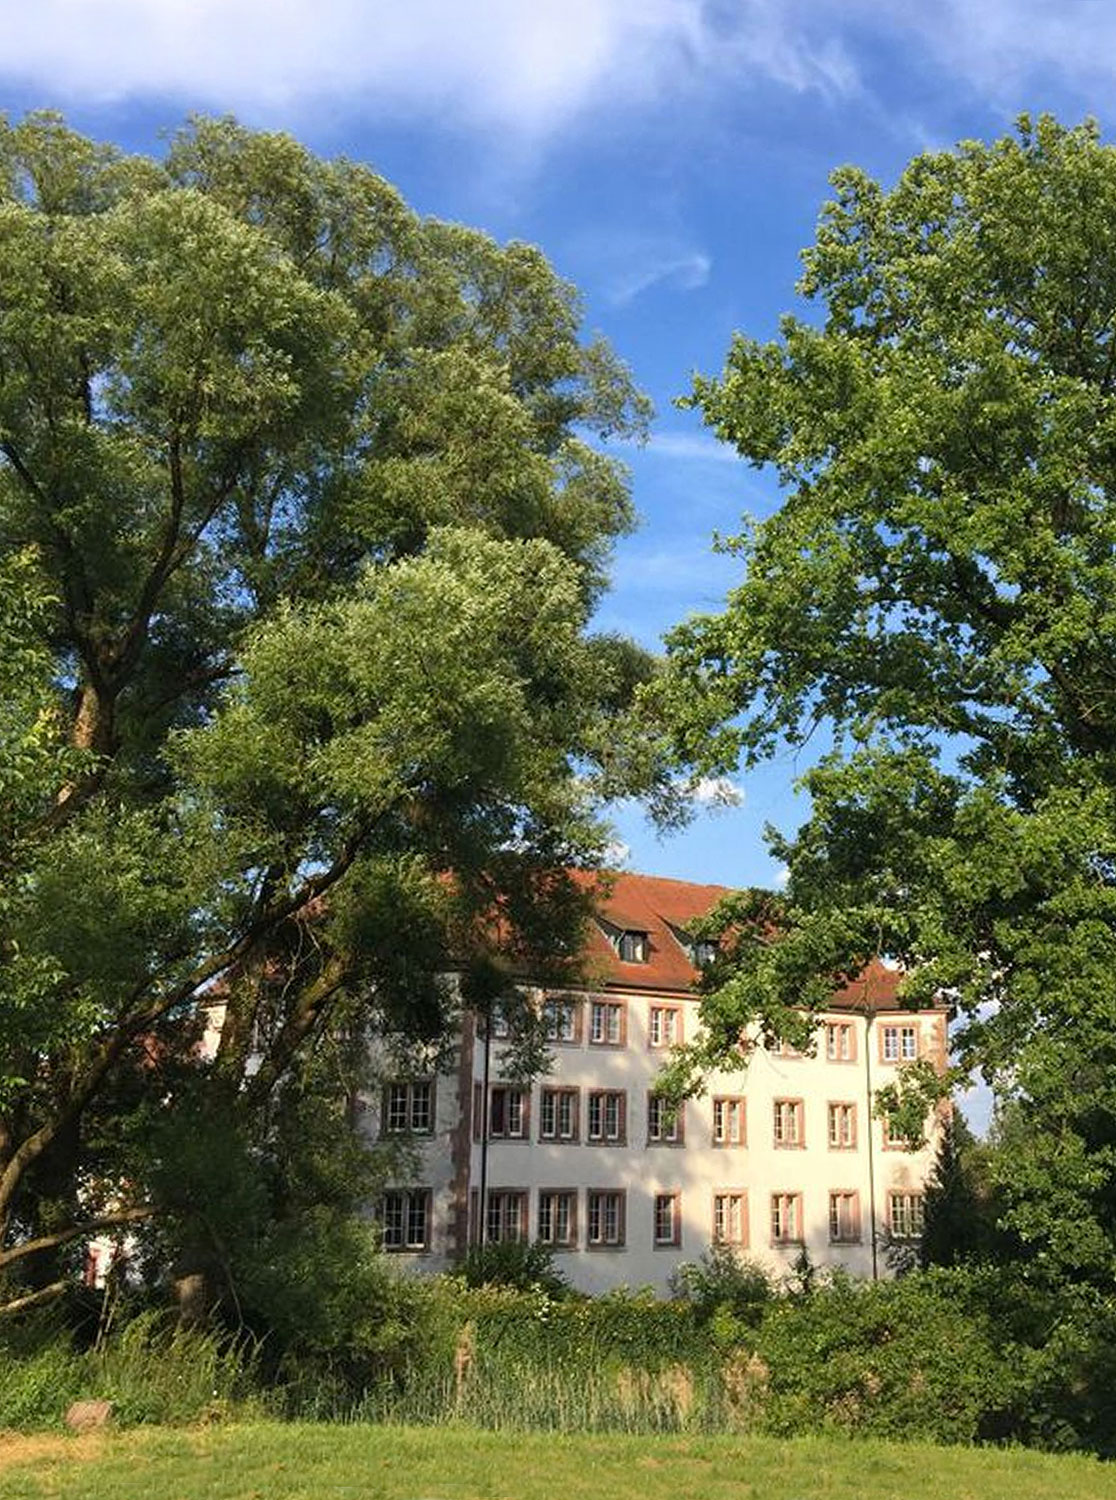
(782, 1155)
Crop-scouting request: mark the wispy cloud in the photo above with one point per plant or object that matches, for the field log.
(530, 68)
(692, 447)
(684, 271)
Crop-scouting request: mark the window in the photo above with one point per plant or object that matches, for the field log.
(664, 1026)
(728, 1121)
(702, 951)
(558, 1218)
(507, 1216)
(844, 1218)
(607, 1024)
(605, 1213)
(632, 947)
(508, 1110)
(409, 1107)
(786, 1218)
(607, 1116)
(898, 1043)
(730, 1218)
(778, 1047)
(560, 1020)
(558, 1115)
(664, 1121)
(904, 1213)
(405, 1219)
(668, 1218)
(894, 1140)
(841, 1126)
(788, 1120)
(840, 1041)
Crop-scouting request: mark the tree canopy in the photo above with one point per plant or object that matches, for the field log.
(303, 513)
(938, 589)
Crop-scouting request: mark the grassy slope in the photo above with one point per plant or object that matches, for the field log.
(298, 1462)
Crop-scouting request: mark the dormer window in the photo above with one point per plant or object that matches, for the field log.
(632, 946)
(702, 951)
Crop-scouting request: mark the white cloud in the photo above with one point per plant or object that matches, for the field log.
(781, 879)
(617, 854)
(715, 792)
(684, 271)
(489, 61)
(693, 446)
(528, 67)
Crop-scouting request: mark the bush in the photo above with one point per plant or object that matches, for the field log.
(514, 1263)
(728, 1292)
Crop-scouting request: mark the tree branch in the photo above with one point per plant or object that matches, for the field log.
(33, 1299)
(74, 1232)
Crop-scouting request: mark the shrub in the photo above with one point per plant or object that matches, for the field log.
(514, 1263)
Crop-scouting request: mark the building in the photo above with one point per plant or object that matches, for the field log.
(588, 1159)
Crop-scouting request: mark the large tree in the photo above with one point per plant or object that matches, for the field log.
(306, 507)
(937, 592)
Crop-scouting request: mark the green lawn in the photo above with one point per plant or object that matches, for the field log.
(302, 1462)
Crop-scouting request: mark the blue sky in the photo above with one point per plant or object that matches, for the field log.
(669, 155)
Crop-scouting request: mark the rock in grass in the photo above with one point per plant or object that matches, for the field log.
(86, 1416)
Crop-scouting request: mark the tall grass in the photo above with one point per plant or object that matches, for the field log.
(541, 1395)
(151, 1372)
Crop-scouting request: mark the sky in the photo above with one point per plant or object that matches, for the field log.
(670, 156)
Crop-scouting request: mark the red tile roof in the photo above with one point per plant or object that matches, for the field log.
(664, 910)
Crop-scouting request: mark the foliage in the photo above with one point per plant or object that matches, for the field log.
(151, 1371)
(514, 1263)
(728, 1292)
(937, 590)
(303, 514)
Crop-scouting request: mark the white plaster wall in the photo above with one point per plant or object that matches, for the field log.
(698, 1169)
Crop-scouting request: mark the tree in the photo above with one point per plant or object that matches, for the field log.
(938, 589)
(302, 489)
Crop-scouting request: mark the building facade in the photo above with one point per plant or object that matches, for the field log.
(782, 1155)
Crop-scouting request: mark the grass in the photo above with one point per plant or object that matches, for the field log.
(268, 1461)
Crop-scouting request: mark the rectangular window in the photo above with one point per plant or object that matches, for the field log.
(508, 1111)
(560, 1020)
(777, 1047)
(664, 1121)
(786, 1218)
(898, 1043)
(507, 1216)
(405, 1219)
(730, 1218)
(664, 1026)
(894, 1140)
(668, 1218)
(409, 1108)
(558, 1115)
(788, 1122)
(844, 1219)
(841, 1126)
(840, 1041)
(632, 947)
(558, 1218)
(607, 1111)
(605, 1214)
(728, 1121)
(607, 1024)
(904, 1214)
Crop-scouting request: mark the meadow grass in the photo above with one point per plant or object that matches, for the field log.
(303, 1461)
